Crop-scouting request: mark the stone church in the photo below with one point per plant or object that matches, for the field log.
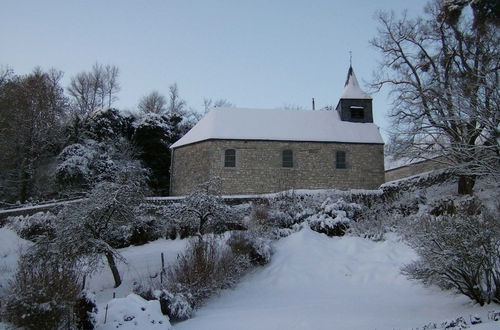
(258, 151)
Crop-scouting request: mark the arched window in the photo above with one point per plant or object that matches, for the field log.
(230, 158)
(340, 160)
(287, 158)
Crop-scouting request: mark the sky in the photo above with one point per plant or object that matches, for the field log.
(254, 53)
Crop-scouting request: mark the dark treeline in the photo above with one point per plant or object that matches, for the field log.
(58, 142)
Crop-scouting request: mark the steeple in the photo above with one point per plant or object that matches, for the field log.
(354, 104)
(351, 87)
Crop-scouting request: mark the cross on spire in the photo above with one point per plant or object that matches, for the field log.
(350, 58)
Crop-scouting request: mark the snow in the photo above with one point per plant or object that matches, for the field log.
(279, 125)
(142, 262)
(317, 282)
(41, 206)
(11, 247)
(352, 90)
(133, 312)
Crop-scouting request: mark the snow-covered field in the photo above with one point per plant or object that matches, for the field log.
(312, 282)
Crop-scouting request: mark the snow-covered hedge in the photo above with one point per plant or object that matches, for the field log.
(32, 227)
(290, 208)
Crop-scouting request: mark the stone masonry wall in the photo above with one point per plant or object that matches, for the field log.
(259, 166)
(412, 169)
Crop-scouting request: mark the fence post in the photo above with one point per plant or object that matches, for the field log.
(106, 314)
(162, 267)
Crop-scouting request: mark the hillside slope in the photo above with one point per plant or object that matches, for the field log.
(317, 282)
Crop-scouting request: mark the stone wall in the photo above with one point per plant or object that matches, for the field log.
(413, 169)
(259, 166)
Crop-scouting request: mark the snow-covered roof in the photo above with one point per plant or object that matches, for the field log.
(352, 89)
(279, 125)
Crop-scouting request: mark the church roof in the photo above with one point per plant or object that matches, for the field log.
(352, 89)
(279, 125)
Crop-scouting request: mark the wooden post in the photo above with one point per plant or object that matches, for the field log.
(162, 267)
(106, 314)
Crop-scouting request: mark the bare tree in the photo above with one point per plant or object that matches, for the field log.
(94, 90)
(111, 84)
(176, 105)
(154, 102)
(443, 75)
(209, 104)
(290, 106)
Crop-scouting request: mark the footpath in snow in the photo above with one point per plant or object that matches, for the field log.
(317, 282)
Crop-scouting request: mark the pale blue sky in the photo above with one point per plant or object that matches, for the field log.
(258, 54)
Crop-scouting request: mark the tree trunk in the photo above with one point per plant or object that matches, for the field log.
(466, 184)
(114, 270)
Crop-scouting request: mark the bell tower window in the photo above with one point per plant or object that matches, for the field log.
(357, 112)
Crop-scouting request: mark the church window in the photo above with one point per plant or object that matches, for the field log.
(287, 158)
(340, 160)
(230, 158)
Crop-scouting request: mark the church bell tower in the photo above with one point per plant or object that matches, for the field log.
(354, 105)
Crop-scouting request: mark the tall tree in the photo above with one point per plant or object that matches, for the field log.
(176, 104)
(443, 71)
(32, 109)
(96, 89)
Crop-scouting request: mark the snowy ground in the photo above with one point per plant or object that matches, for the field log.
(11, 246)
(317, 282)
(312, 282)
(142, 262)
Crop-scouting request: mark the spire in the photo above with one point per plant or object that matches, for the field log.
(351, 87)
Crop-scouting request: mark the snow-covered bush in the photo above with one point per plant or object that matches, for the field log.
(387, 214)
(146, 228)
(42, 295)
(34, 226)
(85, 311)
(74, 168)
(134, 312)
(455, 324)
(205, 208)
(334, 217)
(459, 251)
(175, 305)
(207, 266)
(82, 165)
(176, 222)
(246, 243)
